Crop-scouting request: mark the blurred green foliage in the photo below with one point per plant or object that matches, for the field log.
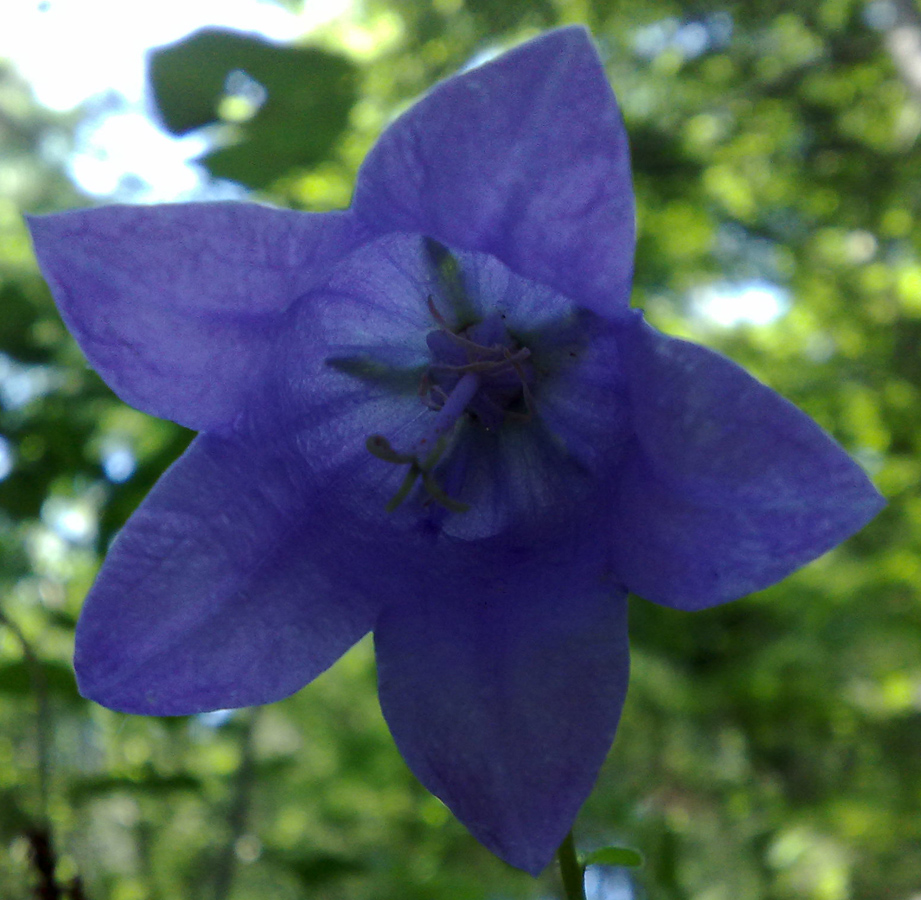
(768, 749)
(308, 95)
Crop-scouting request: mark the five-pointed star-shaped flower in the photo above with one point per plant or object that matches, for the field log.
(433, 416)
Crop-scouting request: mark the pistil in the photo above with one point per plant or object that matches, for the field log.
(453, 408)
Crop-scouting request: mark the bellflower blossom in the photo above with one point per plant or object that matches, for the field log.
(433, 416)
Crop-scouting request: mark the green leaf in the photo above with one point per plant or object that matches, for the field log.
(613, 856)
(309, 94)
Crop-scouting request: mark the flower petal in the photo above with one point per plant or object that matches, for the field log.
(221, 591)
(728, 487)
(525, 158)
(177, 307)
(503, 691)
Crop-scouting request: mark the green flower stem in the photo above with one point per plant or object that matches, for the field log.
(571, 870)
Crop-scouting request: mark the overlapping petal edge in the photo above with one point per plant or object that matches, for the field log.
(502, 671)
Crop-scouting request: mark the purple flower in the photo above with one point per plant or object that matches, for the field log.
(434, 416)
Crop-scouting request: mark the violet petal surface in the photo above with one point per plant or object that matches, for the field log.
(727, 487)
(221, 591)
(178, 306)
(525, 158)
(504, 695)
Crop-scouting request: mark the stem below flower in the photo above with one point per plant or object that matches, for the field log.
(571, 870)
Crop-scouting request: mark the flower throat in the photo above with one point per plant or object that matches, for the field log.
(479, 373)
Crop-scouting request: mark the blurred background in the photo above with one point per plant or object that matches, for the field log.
(768, 749)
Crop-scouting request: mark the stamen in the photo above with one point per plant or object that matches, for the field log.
(515, 360)
(404, 489)
(459, 339)
(436, 315)
(485, 367)
(380, 447)
(491, 367)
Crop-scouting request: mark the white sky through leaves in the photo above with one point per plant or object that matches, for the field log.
(77, 51)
